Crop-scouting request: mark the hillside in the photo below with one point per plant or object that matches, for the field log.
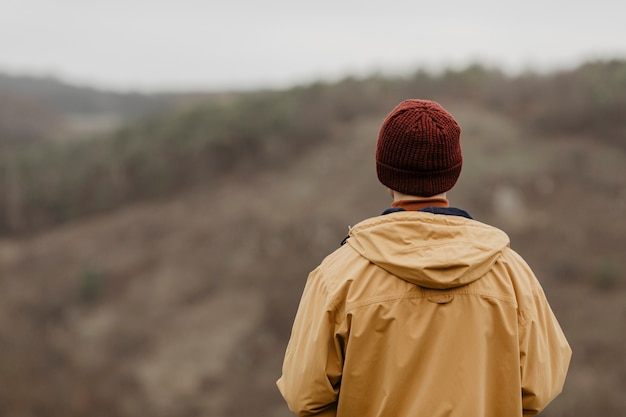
(180, 304)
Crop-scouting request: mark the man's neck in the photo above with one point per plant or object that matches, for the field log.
(413, 202)
(398, 196)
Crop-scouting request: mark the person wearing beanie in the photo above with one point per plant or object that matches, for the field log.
(423, 310)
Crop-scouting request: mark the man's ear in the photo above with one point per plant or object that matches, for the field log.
(390, 191)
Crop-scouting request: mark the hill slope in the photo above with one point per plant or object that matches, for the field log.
(182, 307)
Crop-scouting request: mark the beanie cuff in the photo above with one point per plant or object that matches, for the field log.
(419, 183)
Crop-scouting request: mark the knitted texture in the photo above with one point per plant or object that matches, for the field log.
(418, 150)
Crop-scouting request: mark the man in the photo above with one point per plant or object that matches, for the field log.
(423, 311)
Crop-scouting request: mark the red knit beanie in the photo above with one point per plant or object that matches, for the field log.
(418, 150)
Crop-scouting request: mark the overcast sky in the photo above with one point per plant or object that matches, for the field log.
(181, 44)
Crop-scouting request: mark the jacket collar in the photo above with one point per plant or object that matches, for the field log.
(449, 211)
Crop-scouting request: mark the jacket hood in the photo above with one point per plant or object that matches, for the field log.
(430, 250)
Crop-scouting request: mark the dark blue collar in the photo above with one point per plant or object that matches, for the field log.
(450, 211)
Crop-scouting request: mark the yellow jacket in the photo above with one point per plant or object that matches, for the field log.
(423, 314)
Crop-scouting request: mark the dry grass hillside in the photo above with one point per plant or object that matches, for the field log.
(181, 305)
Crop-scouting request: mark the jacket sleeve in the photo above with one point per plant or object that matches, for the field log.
(313, 362)
(544, 352)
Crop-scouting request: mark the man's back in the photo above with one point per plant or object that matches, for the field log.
(424, 314)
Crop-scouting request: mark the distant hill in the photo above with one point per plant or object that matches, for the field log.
(41, 108)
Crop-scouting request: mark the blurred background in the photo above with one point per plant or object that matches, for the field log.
(171, 171)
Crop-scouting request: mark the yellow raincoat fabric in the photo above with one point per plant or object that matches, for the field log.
(423, 314)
